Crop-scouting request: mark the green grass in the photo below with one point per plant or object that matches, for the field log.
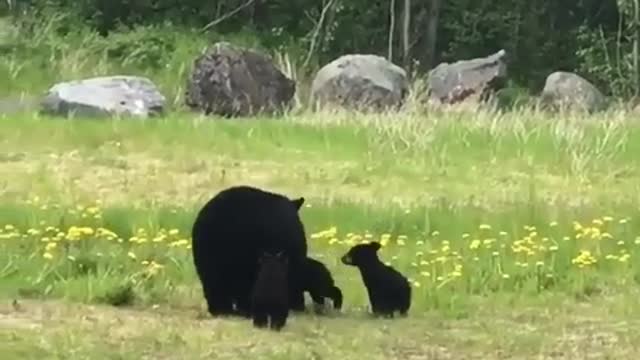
(428, 184)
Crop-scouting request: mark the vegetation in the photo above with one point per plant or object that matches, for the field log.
(518, 229)
(495, 218)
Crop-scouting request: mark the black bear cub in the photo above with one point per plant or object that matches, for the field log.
(317, 280)
(270, 296)
(388, 290)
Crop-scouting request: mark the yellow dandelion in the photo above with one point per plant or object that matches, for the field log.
(173, 232)
(132, 255)
(484, 227)
(607, 218)
(47, 256)
(553, 224)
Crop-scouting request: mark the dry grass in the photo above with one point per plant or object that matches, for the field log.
(54, 329)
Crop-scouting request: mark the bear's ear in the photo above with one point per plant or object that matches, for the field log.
(298, 202)
(375, 245)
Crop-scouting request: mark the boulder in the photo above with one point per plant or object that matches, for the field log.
(472, 79)
(360, 82)
(571, 91)
(231, 81)
(104, 96)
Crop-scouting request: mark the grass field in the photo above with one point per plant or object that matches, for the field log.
(519, 232)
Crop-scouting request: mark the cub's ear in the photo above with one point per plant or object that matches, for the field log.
(298, 202)
(375, 245)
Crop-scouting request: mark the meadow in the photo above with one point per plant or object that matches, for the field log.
(519, 231)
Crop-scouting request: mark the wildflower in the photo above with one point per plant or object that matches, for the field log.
(505, 276)
(484, 227)
(384, 239)
(173, 232)
(435, 233)
(132, 255)
(425, 273)
(47, 256)
(623, 221)
(584, 259)
(607, 218)
(503, 233)
(553, 224)
(474, 244)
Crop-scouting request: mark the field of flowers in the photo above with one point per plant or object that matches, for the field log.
(78, 245)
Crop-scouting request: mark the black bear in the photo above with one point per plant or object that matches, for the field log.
(388, 290)
(269, 297)
(317, 280)
(229, 234)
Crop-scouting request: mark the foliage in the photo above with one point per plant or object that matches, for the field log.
(539, 36)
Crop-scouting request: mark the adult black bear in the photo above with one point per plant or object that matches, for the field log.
(388, 290)
(229, 234)
(269, 298)
(317, 280)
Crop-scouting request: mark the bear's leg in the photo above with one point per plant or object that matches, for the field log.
(260, 318)
(296, 298)
(336, 297)
(218, 301)
(278, 319)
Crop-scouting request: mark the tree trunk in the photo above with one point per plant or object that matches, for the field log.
(431, 34)
(392, 27)
(636, 47)
(406, 25)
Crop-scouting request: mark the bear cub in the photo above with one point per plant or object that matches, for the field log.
(388, 289)
(269, 300)
(317, 280)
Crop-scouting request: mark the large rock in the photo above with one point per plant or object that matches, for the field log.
(567, 90)
(104, 96)
(467, 79)
(360, 82)
(231, 81)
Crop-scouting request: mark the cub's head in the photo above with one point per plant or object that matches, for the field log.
(361, 254)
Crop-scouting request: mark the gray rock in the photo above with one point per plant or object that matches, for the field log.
(18, 104)
(360, 82)
(104, 96)
(571, 91)
(467, 79)
(231, 81)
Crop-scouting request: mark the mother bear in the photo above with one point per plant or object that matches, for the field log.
(230, 233)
